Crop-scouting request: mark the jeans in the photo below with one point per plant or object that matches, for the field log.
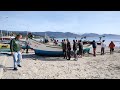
(75, 54)
(17, 56)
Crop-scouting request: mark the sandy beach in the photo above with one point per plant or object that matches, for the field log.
(35, 67)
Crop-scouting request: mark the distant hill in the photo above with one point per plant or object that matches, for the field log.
(57, 34)
(98, 35)
(111, 35)
(91, 35)
(63, 35)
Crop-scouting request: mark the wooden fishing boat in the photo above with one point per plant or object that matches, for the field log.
(87, 42)
(45, 50)
(90, 42)
(6, 47)
(98, 43)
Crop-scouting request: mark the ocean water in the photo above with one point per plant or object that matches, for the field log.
(116, 40)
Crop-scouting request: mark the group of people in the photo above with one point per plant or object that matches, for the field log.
(56, 42)
(103, 46)
(15, 49)
(66, 47)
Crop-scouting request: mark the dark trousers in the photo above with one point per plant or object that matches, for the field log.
(69, 54)
(102, 51)
(27, 49)
(65, 54)
(94, 51)
(111, 50)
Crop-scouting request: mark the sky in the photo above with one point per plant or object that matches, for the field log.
(101, 22)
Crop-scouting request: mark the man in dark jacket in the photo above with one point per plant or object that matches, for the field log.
(64, 47)
(68, 50)
(75, 50)
(94, 45)
(80, 45)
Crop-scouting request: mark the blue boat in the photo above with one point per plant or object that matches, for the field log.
(46, 49)
(24, 47)
(48, 53)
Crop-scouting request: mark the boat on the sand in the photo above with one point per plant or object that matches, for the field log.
(6, 47)
(46, 50)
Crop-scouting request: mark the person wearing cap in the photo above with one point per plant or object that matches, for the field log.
(15, 49)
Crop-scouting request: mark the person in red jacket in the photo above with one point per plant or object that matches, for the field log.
(111, 46)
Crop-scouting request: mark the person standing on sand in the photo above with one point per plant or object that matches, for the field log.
(75, 50)
(62, 44)
(94, 45)
(15, 49)
(30, 35)
(103, 47)
(27, 46)
(68, 50)
(80, 45)
(111, 46)
(64, 47)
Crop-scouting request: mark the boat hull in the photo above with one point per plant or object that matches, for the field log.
(48, 53)
(87, 42)
(24, 47)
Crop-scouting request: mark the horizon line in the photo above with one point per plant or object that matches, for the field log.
(61, 32)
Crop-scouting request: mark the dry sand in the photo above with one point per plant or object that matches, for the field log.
(35, 67)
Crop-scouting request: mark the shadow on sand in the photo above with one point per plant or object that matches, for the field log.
(42, 58)
(45, 58)
(8, 68)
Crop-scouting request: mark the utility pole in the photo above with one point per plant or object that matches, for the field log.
(7, 33)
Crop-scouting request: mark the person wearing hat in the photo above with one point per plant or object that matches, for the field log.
(15, 49)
